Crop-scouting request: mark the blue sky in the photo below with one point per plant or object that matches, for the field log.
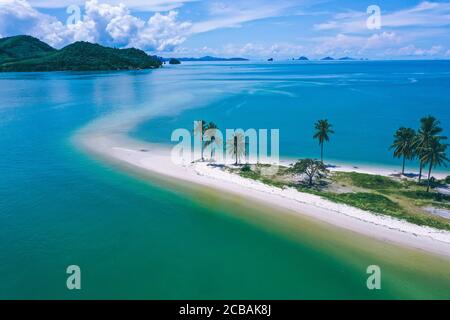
(407, 29)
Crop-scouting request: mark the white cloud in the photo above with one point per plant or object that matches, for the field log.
(380, 45)
(381, 40)
(343, 44)
(18, 17)
(225, 15)
(162, 32)
(107, 24)
(425, 14)
(412, 50)
(115, 25)
(144, 5)
(399, 31)
(247, 50)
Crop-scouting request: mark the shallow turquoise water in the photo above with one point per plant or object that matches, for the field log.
(139, 239)
(365, 101)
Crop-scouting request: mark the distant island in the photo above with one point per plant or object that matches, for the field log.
(208, 59)
(346, 59)
(303, 58)
(28, 54)
(340, 59)
(174, 61)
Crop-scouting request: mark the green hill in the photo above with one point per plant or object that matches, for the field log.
(79, 56)
(21, 47)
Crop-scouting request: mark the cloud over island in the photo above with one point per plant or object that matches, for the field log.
(254, 28)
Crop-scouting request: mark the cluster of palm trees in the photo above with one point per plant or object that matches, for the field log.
(210, 137)
(427, 145)
(207, 130)
(207, 133)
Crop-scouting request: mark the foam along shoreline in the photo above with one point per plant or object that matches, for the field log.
(117, 147)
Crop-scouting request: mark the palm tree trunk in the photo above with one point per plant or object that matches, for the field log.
(403, 168)
(213, 141)
(429, 174)
(321, 152)
(235, 145)
(420, 171)
(201, 145)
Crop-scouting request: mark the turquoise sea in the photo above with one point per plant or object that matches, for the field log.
(365, 101)
(140, 237)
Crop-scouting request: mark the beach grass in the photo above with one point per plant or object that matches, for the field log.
(367, 181)
(381, 204)
(400, 198)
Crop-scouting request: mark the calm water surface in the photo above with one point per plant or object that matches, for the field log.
(140, 238)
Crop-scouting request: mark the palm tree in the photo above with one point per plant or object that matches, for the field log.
(404, 144)
(323, 132)
(434, 156)
(213, 140)
(236, 146)
(199, 130)
(429, 128)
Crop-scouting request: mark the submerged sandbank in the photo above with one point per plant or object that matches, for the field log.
(156, 158)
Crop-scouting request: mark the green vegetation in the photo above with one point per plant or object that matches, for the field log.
(401, 199)
(174, 61)
(426, 145)
(404, 199)
(199, 130)
(22, 47)
(368, 181)
(236, 146)
(434, 156)
(213, 139)
(323, 132)
(209, 135)
(422, 195)
(313, 170)
(404, 145)
(366, 201)
(429, 128)
(79, 56)
(254, 172)
(377, 203)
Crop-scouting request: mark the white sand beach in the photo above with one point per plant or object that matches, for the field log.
(156, 158)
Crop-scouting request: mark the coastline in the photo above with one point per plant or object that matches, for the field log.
(154, 158)
(375, 169)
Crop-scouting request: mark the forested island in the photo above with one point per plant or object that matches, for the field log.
(28, 54)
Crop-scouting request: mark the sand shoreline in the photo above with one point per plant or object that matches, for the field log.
(156, 158)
